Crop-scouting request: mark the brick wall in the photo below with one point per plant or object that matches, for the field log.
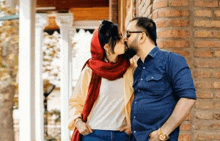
(192, 28)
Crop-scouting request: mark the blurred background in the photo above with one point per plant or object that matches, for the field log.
(188, 27)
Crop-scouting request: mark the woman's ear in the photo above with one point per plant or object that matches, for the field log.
(106, 47)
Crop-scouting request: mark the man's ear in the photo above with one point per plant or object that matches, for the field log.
(143, 37)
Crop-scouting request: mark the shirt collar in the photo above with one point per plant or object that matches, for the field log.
(152, 54)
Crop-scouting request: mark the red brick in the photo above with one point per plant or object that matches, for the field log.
(179, 2)
(207, 63)
(203, 53)
(173, 43)
(204, 94)
(206, 136)
(204, 85)
(206, 23)
(185, 126)
(189, 63)
(155, 15)
(203, 13)
(216, 34)
(201, 3)
(203, 33)
(159, 4)
(205, 43)
(203, 115)
(208, 126)
(217, 84)
(173, 33)
(216, 104)
(202, 23)
(217, 13)
(184, 137)
(161, 23)
(216, 115)
(178, 22)
(215, 23)
(217, 136)
(217, 53)
(204, 104)
(217, 94)
(173, 13)
(216, 74)
(186, 54)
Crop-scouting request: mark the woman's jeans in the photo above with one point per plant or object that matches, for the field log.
(106, 135)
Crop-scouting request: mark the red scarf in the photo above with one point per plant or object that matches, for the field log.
(100, 69)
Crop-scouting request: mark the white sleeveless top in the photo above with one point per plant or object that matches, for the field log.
(109, 110)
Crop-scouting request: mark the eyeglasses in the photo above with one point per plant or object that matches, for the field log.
(128, 33)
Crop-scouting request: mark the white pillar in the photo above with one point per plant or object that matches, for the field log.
(39, 107)
(65, 21)
(27, 70)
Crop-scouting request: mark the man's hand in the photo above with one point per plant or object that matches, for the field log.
(126, 129)
(83, 127)
(154, 136)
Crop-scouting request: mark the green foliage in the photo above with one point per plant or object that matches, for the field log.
(49, 138)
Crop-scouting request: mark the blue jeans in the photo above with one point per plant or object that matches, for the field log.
(106, 135)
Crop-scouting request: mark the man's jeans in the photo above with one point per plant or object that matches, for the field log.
(106, 135)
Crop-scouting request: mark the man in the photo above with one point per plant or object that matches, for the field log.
(163, 85)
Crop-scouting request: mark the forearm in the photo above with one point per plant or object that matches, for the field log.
(179, 114)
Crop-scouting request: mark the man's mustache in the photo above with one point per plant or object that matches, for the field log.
(129, 51)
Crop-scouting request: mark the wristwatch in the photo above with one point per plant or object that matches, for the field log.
(162, 135)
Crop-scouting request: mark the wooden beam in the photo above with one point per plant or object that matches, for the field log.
(94, 13)
(67, 4)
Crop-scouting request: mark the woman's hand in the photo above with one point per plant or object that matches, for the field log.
(126, 129)
(83, 127)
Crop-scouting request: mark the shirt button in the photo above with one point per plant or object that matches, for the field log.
(141, 79)
(135, 102)
(152, 77)
(134, 116)
(139, 90)
(134, 131)
(143, 68)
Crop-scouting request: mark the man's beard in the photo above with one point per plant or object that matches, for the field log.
(129, 52)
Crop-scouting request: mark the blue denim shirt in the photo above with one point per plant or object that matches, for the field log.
(159, 83)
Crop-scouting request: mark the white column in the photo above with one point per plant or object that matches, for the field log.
(39, 108)
(27, 70)
(65, 21)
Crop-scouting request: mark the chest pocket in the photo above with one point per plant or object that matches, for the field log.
(155, 84)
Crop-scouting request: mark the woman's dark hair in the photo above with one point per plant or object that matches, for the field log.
(149, 26)
(108, 33)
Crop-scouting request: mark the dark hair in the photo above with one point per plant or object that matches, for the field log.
(108, 33)
(148, 25)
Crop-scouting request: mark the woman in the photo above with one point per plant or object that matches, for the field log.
(101, 102)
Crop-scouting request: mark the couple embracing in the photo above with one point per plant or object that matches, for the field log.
(118, 99)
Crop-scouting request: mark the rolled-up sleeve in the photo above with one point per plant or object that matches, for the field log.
(180, 77)
(78, 97)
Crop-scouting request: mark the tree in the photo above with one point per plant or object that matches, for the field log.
(8, 74)
(11, 3)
